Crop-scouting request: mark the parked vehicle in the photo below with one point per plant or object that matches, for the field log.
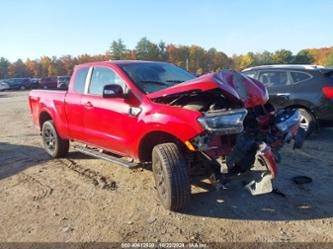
(20, 83)
(306, 87)
(137, 112)
(63, 81)
(4, 85)
(34, 83)
(48, 82)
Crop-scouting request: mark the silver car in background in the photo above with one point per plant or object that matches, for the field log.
(4, 85)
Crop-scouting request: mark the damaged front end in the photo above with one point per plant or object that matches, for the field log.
(242, 131)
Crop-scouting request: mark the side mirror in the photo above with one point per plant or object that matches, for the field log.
(113, 91)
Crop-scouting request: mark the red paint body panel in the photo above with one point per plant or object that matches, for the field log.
(106, 122)
(52, 103)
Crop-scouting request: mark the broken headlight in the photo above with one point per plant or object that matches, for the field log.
(225, 122)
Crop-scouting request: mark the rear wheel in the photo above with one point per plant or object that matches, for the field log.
(308, 121)
(171, 176)
(54, 145)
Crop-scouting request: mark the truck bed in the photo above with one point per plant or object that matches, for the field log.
(48, 101)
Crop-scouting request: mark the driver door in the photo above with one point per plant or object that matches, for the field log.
(106, 120)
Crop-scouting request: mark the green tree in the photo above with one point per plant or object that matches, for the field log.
(163, 54)
(282, 57)
(303, 57)
(118, 50)
(264, 58)
(4, 64)
(146, 50)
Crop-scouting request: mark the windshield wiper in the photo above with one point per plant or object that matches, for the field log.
(175, 81)
(154, 82)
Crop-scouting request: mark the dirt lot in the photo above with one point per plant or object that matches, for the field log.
(85, 199)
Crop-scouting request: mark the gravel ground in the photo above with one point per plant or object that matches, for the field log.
(85, 199)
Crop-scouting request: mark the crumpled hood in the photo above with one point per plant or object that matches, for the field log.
(232, 84)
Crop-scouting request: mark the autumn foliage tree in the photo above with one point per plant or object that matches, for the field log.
(329, 60)
(18, 69)
(194, 58)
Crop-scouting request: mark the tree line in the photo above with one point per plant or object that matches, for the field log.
(193, 58)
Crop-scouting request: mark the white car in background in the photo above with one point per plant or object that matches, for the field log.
(4, 85)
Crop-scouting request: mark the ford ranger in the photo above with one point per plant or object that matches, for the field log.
(140, 112)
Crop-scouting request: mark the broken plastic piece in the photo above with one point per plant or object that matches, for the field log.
(264, 186)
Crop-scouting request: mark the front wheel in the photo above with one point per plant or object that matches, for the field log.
(171, 176)
(54, 145)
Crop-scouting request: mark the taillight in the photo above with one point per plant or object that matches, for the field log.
(328, 91)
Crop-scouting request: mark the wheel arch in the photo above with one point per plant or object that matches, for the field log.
(307, 108)
(43, 117)
(153, 138)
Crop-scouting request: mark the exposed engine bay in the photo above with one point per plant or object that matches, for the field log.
(196, 100)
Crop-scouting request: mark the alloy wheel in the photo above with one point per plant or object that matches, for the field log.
(49, 139)
(305, 123)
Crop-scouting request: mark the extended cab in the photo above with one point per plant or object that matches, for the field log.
(150, 112)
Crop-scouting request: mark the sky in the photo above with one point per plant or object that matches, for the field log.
(30, 29)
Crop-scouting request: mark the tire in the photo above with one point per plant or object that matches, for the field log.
(54, 145)
(171, 176)
(308, 121)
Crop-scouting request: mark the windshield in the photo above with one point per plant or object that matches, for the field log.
(151, 76)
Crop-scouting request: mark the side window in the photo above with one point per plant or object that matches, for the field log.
(102, 76)
(251, 74)
(80, 80)
(299, 76)
(274, 78)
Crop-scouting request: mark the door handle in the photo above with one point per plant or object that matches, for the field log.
(88, 105)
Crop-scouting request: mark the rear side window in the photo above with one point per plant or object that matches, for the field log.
(102, 76)
(80, 80)
(274, 78)
(300, 76)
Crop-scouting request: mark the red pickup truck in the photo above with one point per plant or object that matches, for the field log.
(137, 112)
